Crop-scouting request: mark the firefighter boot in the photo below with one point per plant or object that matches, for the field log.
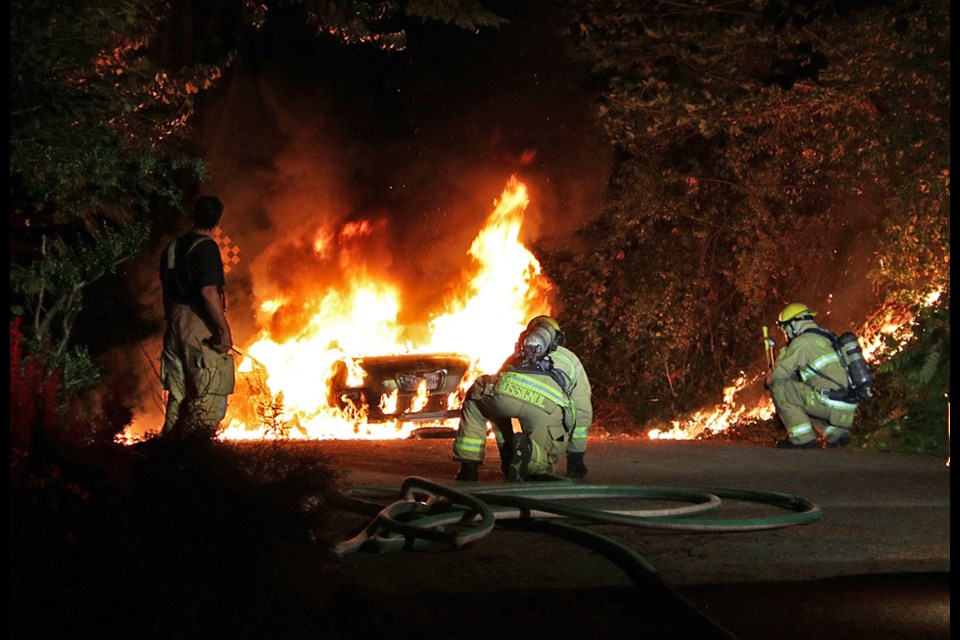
(575, 466)
(469, 471)
(841, 440)
(789, 444)
(505, 452)
(520, 454)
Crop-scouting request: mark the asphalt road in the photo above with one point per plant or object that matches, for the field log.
(875, 565)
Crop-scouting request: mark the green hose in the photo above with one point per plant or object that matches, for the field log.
(429, 515)
(439, 505)
(423, 510)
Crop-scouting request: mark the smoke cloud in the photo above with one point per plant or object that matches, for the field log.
(416, 146)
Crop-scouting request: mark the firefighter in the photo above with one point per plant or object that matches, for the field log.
(196, 366)
(544, 386)
(809, 383)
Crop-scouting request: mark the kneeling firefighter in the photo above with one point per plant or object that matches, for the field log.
(809, 383)
(544, 386)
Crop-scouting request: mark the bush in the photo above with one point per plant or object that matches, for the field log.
(910, 412)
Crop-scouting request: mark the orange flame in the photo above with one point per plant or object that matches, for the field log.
(881, 336)
(283, 386)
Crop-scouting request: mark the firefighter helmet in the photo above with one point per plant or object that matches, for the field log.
(795, 311)
(553, 327)
(543, 319)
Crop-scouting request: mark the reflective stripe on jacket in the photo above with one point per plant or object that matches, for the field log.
(812, 359)
(578, 389)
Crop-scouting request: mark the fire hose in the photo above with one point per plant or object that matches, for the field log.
(426, 515)
(423, 509)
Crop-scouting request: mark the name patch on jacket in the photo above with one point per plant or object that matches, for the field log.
(514, 389)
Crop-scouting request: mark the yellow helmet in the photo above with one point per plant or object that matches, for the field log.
(554, 327)
(795, 311)
(543, 319)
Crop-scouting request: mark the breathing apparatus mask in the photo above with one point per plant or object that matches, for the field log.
(552, 326)
(789, 329)
(535, 344)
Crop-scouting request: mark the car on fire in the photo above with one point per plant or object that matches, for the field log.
(409, 387)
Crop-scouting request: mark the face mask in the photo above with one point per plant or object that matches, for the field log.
(789, 331)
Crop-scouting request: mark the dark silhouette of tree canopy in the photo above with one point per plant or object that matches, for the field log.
(766, 152)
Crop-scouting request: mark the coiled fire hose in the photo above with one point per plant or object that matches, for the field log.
(429, 515)
(424, 512)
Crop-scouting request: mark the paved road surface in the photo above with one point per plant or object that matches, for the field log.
(876, 565)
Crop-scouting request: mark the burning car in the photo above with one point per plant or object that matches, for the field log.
(408, 387)
(332, 359)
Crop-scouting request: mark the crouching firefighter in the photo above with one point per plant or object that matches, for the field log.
(544, 386)
(809, 383)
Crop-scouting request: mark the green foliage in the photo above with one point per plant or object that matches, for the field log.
(761, 150)
(44, 416)
(96, 143)
(93, 121)
(378, 23)
(33, 392)
(466, 14)
(79, 369)
(909, 412)
(48, 293)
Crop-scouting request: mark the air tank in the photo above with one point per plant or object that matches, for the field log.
(857, 367)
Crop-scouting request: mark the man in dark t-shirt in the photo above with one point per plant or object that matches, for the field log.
(196, 366)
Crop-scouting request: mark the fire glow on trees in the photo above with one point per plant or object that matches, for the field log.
(890, 324)
(282, 386)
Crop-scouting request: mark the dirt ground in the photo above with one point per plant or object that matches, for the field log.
(876, 564)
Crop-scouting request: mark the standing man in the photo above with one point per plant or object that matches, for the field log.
(196, 366)
(544, 385)
(809, 382)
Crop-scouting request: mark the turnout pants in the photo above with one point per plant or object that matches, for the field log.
(799, 404)
(196, 377)
(541, 421)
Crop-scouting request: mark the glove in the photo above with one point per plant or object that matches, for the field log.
(575, 466)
